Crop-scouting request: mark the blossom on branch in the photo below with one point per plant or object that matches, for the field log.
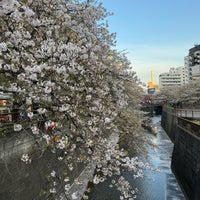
(57, 57)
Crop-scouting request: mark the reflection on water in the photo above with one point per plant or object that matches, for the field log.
(157, 184)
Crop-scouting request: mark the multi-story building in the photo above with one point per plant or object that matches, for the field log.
(175, 76)
(192, 62)
(184, 74)
(187, 66)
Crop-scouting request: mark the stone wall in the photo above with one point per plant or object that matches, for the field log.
(20, 181)
(169, 124)
(15, 145)
(186, 159)
(186, 153)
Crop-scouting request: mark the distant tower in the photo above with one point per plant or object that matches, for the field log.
(152, 77)
(151, 85)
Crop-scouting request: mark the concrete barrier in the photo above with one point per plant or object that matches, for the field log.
(20, 181)
(169, 124)
(186, 153)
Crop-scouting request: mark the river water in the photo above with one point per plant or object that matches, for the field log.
(157, 184)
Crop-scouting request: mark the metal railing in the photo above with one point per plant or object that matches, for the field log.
(186, 112)
(190, 126)
(8, 119)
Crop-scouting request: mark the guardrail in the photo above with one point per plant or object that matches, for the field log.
(8, 119)
(190, 126)
(189, 113)
(179, 112)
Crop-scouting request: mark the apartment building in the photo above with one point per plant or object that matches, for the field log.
(175, 77)
(192, 62)
(184, 72)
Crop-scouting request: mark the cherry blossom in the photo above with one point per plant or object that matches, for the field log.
(25, 158)
(78, 95)
(17, 127)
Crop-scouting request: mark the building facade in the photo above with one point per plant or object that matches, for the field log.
(192, 63)
(175, 77)
(182, 75)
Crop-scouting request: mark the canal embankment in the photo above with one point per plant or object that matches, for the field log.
(24, 181)
(186, 153)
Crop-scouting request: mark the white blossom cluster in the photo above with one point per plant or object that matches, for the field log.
(35, 129)
(25, 158)
(17, 127)
(125, 188)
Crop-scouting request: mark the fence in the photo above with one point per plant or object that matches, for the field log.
(188, 113)
(193, 128)
(9, 118)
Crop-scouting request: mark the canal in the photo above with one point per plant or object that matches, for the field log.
(159, 184)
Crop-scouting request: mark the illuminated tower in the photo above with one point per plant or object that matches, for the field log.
(151, 85)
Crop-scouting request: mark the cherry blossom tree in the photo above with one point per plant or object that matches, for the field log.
(190, 93)
(186, 95)
(169, 94)
(57, 59)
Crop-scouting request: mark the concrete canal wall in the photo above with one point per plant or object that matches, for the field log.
(20, 181)
(169, 124)
(186, 153)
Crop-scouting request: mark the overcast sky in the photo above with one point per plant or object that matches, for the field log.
(157, 34)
